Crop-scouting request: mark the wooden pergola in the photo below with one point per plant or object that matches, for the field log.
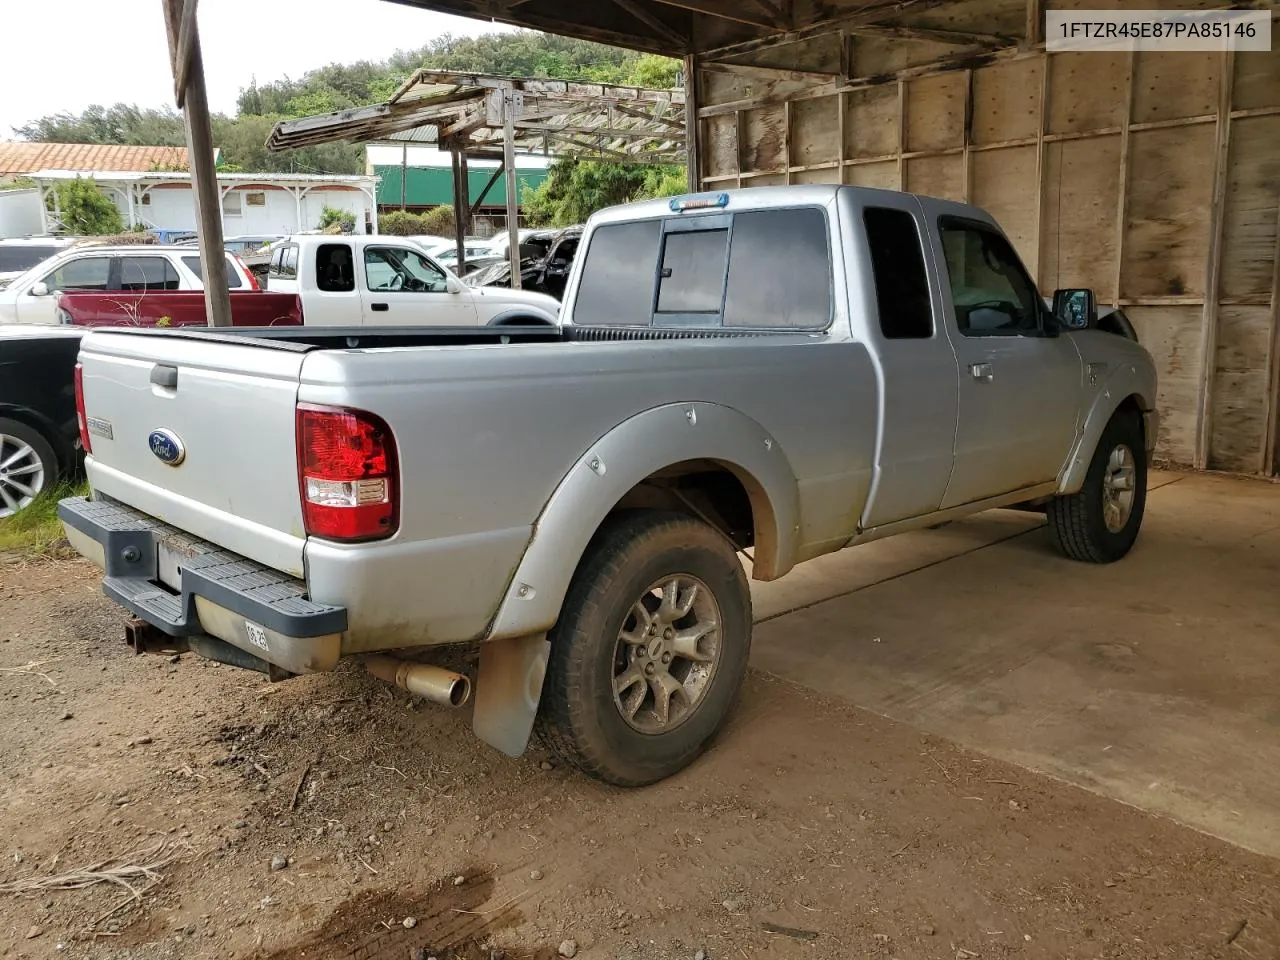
(479, 116)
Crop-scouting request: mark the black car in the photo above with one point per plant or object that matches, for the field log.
(545, 259)
(39, 437)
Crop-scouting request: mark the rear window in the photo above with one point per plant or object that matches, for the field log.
(22, 258)
(760, 268)
(233, 275)
(617, 278)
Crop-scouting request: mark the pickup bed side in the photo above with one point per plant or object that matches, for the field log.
(174, 308)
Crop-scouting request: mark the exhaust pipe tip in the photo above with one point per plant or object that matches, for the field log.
(445, 687)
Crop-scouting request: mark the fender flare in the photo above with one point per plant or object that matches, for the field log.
(1124, 382)
(515, 313)
(613, 465)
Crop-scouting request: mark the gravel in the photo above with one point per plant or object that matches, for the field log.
(279, 862)
(568, 949)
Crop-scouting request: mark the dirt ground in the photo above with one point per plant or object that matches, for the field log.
(811, 829)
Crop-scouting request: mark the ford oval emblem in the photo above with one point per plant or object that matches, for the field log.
(167, 447)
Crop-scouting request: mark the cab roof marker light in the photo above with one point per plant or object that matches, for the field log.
(681, 204)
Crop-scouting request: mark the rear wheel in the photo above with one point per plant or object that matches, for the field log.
(1101, 522)
(27, 466)
(650, 649)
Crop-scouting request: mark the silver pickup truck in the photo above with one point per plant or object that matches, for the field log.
(777, 372)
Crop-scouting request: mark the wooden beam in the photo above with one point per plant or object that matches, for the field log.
(1122, 190)
(1213, 269)
(774, 12)
(932, 36)
(1033, 30)
(182, 59)
(487, 187)
(1042, 129)
(902, 135)
(460, 209)
(966, 165)
(513, 208)
(464, 124)
(617, 133)
(204, 175)
(769, 73)
(1272, 428)
(663, 30)
(640, 114)
(693, 156)
(867, 14)
(725, 10)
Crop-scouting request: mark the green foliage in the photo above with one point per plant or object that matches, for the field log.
(17, 183)
(574, 190)
(344, 220)
(242, 138)
(438, 221)
(400, 223)
(85, 210)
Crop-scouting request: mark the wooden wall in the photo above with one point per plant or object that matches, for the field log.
(1152, 178)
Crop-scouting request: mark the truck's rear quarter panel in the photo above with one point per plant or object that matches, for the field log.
(487, 433)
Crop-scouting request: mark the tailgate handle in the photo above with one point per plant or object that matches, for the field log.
(163, 375)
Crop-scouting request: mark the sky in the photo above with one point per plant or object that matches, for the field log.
(113, 52)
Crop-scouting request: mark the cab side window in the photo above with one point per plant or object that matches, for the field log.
(147, 273)
(335, 271)
(990, 291)
(86, 273)
(400, 270)
(897, 265)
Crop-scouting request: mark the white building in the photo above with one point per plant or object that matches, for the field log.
(252, 203)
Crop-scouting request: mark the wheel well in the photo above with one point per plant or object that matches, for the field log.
(522, 320)
(1133, 404)
(722, 496)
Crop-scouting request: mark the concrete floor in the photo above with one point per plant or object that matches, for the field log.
(1155, 680)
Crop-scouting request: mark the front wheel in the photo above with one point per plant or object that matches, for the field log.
(650, 650)
(1100, 523)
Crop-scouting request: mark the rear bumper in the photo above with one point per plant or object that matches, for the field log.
(185, 587)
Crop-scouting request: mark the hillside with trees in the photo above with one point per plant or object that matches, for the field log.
(571, 192)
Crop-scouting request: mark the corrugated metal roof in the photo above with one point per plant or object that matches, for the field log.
(19, 157)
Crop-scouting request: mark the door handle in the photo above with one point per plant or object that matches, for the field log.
(379, 307)
(982, 372)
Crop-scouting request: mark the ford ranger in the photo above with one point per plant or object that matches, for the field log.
(781, 372)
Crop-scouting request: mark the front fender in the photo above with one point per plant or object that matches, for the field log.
(512, 315)
(1129, 378)
(622, 458)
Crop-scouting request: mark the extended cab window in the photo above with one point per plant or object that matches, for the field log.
(335, 270)
(897, 265)
(779, 270)
(617, 277)
(86, 273)
(991, 292)
(147, 273)
(396, 269)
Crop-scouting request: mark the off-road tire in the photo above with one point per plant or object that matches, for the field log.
(578, 719)
(1076, 522)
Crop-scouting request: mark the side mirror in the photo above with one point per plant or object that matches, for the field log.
(1075, 309)
(39, 289)
(454, 285)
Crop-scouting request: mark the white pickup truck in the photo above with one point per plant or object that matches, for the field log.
(392, 281)
(784, 371)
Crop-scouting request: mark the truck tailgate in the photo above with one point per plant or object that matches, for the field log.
(199, 434)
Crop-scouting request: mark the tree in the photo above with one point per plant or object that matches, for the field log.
(84, 209)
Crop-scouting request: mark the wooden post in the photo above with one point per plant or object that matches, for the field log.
(1270, 440)
(693, 169)
(1122, 191)
(509, 161)
(404, 176)
(1041, 162)
(459, 210)
(186, 60)
(1213, 269)
(464, 178)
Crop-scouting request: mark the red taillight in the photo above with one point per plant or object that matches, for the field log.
(346, 474)
(253, 281)
(82, 420)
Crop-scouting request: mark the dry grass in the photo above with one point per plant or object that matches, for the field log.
(137, 871)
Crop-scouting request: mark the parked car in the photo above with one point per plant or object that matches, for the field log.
(544, 264)
(857, 363)
(447, 254)
(174, 308)
(39, 438)
(20, 255)
(377, 280)
(30, 298)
